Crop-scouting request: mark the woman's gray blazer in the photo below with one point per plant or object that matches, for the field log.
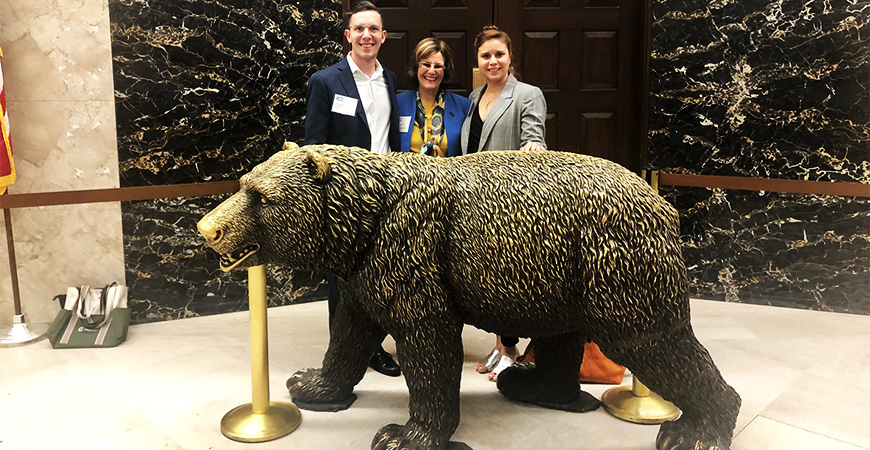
(516, 117)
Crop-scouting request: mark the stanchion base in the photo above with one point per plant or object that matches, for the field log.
(621, 402)
(20, 333)
(244, 425)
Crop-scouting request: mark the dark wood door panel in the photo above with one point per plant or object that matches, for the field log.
(587, 56)
(570, 60)
(542, 60)
(460, 44)
(600, 59)
(597, 101)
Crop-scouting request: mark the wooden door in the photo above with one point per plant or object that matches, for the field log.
(590, 57)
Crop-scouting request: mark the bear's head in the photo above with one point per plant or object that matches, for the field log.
(277, 215)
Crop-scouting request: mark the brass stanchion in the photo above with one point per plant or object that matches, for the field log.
(260, 420)
(636, 403)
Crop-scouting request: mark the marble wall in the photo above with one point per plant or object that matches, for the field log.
(205, 91)
(57, 67)
(769, 89)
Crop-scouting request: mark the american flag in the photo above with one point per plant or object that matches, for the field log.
(7, 167)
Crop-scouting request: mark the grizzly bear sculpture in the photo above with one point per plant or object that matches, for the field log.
(553, 246)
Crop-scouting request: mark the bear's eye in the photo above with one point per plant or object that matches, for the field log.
(263, 200)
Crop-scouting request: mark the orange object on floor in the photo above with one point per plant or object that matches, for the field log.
(595, 368)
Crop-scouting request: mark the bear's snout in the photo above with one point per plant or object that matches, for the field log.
(222, 232)
(209, 231)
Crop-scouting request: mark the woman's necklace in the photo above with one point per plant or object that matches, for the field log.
(490, 96)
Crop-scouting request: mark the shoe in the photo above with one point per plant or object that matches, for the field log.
(489, 362)
(384, 363)
(503, 363)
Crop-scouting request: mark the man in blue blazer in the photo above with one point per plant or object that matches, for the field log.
(353, 103)
(341, 113)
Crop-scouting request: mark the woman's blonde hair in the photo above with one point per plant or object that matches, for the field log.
(423, 50)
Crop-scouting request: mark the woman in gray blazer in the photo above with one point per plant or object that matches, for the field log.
(506, 114)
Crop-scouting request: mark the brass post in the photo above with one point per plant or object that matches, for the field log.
(651, 176)
(260, 420)
(636, 403)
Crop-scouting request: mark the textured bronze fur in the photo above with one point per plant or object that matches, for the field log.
(554, 246)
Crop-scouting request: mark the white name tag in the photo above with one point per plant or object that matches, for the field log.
(344, 105)
(405, 123)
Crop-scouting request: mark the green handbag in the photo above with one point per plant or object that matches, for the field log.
(91, 318)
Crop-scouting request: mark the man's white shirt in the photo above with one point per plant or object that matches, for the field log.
(375, 97)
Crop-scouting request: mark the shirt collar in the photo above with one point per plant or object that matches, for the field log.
(379, 70)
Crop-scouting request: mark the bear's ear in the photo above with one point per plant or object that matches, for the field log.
(318, 166)
(290, 146)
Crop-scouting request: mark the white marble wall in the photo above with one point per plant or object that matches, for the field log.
(57, 67)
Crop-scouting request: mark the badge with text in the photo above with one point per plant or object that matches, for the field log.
(344, 105)
(405, 123)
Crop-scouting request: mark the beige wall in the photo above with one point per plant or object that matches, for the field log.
(58, 75)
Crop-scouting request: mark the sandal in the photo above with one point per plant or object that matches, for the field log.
(503, 363)
(490, 361)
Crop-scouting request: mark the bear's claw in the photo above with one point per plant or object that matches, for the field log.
(339, 405)
(397, 437)
(683, 435)
(308, 390)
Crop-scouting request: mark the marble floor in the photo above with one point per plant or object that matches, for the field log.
(804, 378)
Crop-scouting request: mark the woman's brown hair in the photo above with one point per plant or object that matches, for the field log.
(490, 32)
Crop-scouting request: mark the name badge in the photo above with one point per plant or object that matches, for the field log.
(344, 105)
(405, 123)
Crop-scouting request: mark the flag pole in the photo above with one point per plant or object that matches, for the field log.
(19, 333)
(13, 269)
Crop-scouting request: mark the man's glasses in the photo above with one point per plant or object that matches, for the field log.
(373, 29)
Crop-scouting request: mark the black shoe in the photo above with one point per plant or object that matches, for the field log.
(384, 363)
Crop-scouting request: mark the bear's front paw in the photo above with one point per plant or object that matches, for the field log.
(685, 435)
(310, 391)
(398, 437)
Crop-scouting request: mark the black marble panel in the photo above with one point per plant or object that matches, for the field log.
(204, 91)
(171, 275)
(769, 89)
(776, 249)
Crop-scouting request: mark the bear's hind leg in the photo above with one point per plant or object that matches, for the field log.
(680, 370)
(553, 381)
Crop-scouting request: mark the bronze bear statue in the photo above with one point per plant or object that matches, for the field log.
(558, 247)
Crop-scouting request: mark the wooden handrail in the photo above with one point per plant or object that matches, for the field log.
(846, 189)
(117, 194)
(36, 199)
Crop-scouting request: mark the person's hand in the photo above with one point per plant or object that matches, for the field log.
(532, 147)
